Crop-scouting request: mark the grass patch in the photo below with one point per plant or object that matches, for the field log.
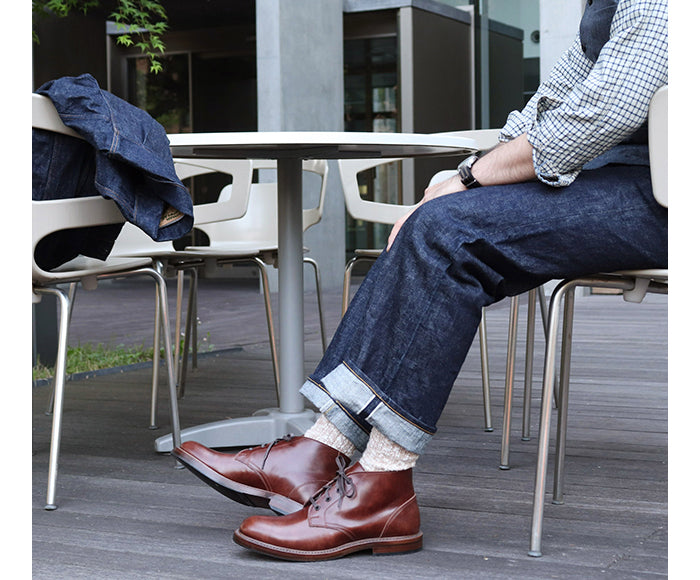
(93, 357)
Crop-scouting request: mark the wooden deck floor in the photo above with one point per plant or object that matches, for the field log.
(125, 512)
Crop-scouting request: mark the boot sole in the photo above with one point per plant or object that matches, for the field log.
(238, 492)
(391, 545)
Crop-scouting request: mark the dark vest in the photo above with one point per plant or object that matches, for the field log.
(594, 32)
(594, 29)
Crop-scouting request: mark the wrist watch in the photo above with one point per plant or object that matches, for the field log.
(465, 172)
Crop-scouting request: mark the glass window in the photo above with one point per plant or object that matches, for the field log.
(166, 96)
(371, 104)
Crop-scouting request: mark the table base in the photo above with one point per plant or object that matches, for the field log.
(263, 426)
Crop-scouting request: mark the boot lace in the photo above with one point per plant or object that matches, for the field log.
(287, 437)
(343, 485)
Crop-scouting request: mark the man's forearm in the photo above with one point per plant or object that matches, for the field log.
(510, 162)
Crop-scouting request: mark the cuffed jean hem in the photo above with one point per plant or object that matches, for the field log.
(355, 406)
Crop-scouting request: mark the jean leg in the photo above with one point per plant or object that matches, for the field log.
(398, 350)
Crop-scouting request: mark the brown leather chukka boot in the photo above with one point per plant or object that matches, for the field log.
(281, 475)
(358, 510)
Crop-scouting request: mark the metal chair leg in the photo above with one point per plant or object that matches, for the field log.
(167, 347)
(545, 417)
(529, 356)
(156, 363)
(72, 289)
(190, 330)
(563, 408)
(542, 297)
(60, 374)
(58, 393)
(194, 294)
(178, 313)
(485, 379)
(510, 371)
(270, 322)
(317, 275)
(346, 284)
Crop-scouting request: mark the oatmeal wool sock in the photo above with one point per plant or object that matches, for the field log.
(382, 454)
(325, 432)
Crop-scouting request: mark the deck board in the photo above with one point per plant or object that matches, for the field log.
(126, 512)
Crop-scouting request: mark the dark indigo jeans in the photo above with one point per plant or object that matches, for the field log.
(399, 348)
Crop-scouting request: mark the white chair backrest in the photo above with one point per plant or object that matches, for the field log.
(362, 209)
(45, 116)
(133, 241)
(312, 215)
(236, 203)
(259, 224)
(658, 144)
(54, 215)
(389, 213)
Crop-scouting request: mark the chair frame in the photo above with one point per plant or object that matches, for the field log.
(635, 284)
(53, 215)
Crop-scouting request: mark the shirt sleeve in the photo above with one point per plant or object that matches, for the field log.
(584, 109)
(571, 68)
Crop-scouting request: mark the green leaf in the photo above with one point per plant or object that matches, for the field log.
(125, 39)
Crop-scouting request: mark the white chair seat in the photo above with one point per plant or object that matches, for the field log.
(653, 274)
(82, 266)
(231, 249)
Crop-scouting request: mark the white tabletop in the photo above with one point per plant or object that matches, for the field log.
(317, 145)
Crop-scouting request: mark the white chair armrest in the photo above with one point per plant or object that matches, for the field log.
(484, 138)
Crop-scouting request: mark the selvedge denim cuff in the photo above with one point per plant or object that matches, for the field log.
(354, 406)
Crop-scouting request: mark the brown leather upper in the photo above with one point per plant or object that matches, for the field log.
(295, 468)
(357, 505)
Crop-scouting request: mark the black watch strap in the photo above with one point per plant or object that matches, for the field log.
(465, 172)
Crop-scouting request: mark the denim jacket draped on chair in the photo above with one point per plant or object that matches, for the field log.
(125, 157)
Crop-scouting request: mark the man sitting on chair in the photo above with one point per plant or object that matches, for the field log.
(566, 193)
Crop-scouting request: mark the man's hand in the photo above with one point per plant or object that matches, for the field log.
(450, 185)
(507, 163)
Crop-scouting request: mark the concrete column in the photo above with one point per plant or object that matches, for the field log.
(300, 88)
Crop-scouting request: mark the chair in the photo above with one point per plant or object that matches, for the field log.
(388, 213)
(133, 242)
(634, 285)
(54, 215)
(253, 239)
